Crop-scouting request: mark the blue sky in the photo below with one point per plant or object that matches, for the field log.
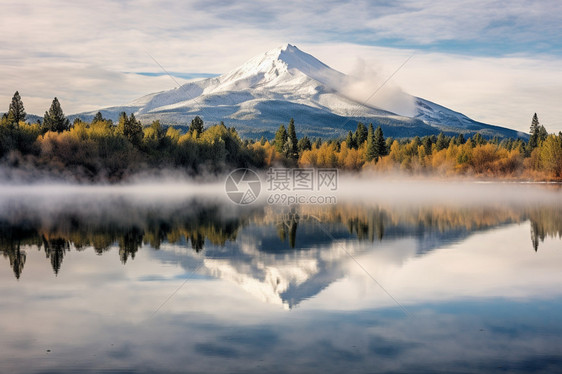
(496, 61)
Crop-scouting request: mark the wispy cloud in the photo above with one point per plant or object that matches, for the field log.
(177, 75)
(83, 53)
(504, 91)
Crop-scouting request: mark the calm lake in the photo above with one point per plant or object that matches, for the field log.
(395, 277)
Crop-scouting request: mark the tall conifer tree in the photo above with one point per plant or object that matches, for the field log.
(54, 119)
(16, 112)
(280, 138)
(292, 141)
(371, 152)
(196, 126)
(534, 138)
(98, 117)
(349, 140)
(380, 145)
(360, 134)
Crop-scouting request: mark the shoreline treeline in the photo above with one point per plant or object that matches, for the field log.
(102, 150)
(366, 149)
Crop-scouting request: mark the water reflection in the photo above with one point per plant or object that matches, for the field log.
(102, 286)
(127, 225)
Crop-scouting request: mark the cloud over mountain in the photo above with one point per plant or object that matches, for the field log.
(286, 82)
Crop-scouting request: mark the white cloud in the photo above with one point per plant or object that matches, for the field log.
(503, 91)
(81, 53)
(463, 270)
(428, 21)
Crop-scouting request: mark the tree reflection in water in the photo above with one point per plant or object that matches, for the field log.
(128, 226)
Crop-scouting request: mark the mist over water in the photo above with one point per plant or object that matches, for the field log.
(170, 275)
(420, 191)
(397, 189)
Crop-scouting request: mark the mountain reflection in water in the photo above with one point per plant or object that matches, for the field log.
(264, 243)
(110, 282)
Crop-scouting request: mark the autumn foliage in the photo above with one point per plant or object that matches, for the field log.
(101, 149)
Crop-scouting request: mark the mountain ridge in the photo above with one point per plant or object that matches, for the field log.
(285, 82)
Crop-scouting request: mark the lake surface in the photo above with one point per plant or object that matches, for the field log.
(399, 277)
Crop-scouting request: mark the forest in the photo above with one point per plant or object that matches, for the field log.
(101, 150)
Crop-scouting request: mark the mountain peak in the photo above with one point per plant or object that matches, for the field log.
(297, 59)
(286, 53)
(287, 82)
(287, 46)
(286, 60)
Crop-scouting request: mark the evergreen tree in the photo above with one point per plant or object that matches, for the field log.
(350, 140)
(507, 144)
(371, 152)
(360, 134)
(98, 118)
(196, 126)
(133, 130)
(304, 144)
(292, 141)
(262, 140)
(534, 132)
(16, 112)
(427, 143)
(76, 121)
(442, 142)
(519, 145)
(318, 143)
(130, 128)
(380, 145)
(280, 138)
(477, 139)
(54, 119)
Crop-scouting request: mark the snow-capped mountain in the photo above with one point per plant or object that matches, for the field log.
(286, 82)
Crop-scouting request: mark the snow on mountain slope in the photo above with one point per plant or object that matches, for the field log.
(286, 82)
(450, 121)
(284, 73)
(284, 66)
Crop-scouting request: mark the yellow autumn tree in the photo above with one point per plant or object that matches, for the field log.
(550, 153)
